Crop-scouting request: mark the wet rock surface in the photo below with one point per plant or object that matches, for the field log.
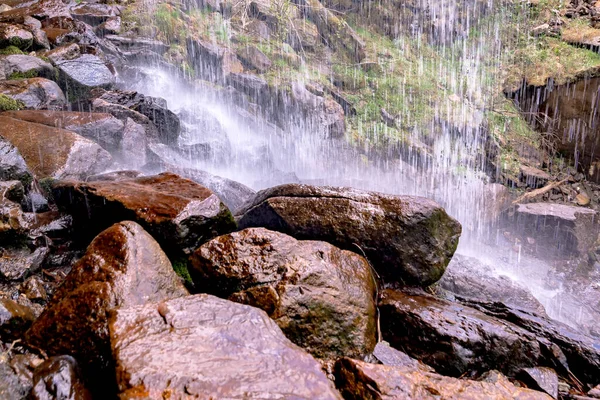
(179, 213)
(24, 66)
(80, 75)
(360, 380)
(12, 164)
(362, 221)
(58, 378)
(14, 319)
(320, 296)
(54, 152)
(34, 93)
(540, 378)
(205, 346)
(122, 267)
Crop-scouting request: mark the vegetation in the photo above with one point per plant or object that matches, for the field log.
(10, 50)
(180, 267)
(23, 75)
(10, 104)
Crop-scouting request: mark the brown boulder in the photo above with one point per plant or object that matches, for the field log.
(360, 380)
(205, 347)
(122, 267)
(407, 239)
(34, 93)
(179, 213)
(54, 152)
(321, 297)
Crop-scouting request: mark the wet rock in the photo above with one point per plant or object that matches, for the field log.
(112, 26)
(13, 223)
(154, 108)
(250, 84)
(133, 144)
(54, 152)
(122, 267)
(210, 61)
(533, 177)
(232, 193)
(469, 277)
(455, 339)
(123, 113)
(13, 386)
(582, 199)
(80, 75)
(34, 93)
(387, 355)
(102, 128)
(12, 164)
(203, 346)
(93, 14)
(14, 319)
(19, 262)
(541, 378)
(18, 66)
(595, 392)
(254, 59)
(114, 176)
(40, 39)
(576, 227)
(304, 36)
(33, 289)
(321, 297)
(58, 378)
(360, 380)
(69, 51)
(13, 35)
(179, 213)
(406, 239)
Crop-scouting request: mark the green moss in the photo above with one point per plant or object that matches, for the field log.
(10, 104)
(23, 75)
(180, 267)
(10, 50)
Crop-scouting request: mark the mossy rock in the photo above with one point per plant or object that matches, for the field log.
(10, 50)
(9, 104)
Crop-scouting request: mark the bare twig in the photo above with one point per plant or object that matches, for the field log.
(540, 191)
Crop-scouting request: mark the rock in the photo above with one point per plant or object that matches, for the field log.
(122, 267)
(154, 108)
(114, 176)
(93, 14)
(471, 340)
(80, 75)
(202, 346)
(34, 93)
(232, 193)
(33, 289)
(12, 164)
(582, 199)
(321, 297)
(576, 227)
(406, 239)
(133, 144)
(210, 61)
(254, 59)
(14, 319)
(65, 52)
(541, 378)
(179, 213)
(102, 128)
(18, 66)
(469, 277)
(13, 223)
(387, 355)
(40, 39)
(360, 380)
(533, 177)
(13, 386)
(112, 26)
(54, 152)
(304, 36)
(13, 35)
(540, 30)
(58, 378)
(17, 263)
(595, 392)
(250, 84)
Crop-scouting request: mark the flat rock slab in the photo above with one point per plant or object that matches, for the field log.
(54, 152)
(360, 380)
(78, 76)
(205, 347)
(407, 239)
(322, 298)
(34, 93)
(179, 213)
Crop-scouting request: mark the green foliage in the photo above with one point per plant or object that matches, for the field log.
(180, 267)
(168, 21)
(23, 75)
(10, 104)
(10, 50)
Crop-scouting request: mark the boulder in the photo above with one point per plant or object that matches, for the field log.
(14, 319)
(58, 378)
(254, 59)
(112, 26)
(94, 13)
(122, 267)
(12, 164)
(102, 128)
(360, 380)
(469, 338)
(34, 93)
(557, 230)
(13, 222)
(469, 277)
(133, 144)
(406, 239)
(321, 297)
(533, 177)
(203, 346)
(542, 379)
(13, 385)
(179, 213)
(387, 355)
(14, 35)
(232, 193)
(19, 262)
(65, 52)
(80, 75)
(211, 61)
(304, 35)
(17, 66)
(54, 152)
(325, 116)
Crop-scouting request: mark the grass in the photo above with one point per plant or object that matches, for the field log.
(10, 104)
(180, 267)
(23, 75)
(10, 50)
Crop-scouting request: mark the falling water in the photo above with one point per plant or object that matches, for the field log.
(450, 166)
